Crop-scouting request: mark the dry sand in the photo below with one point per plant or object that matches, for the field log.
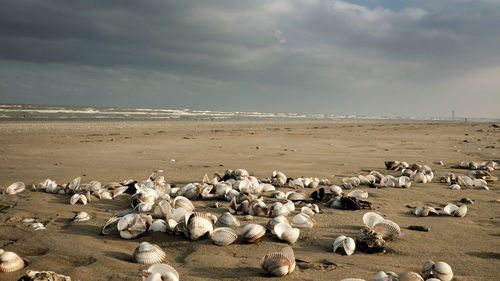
(33, 152)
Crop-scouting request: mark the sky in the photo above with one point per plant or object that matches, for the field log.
(395, 58)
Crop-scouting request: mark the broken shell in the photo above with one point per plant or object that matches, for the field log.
(158, 225)
(345, 243)
(164, 272)
(81, 216)
(199, 225)
(386, 276)
(442, 271)
(133, 225)
(409, 276)
(110, 226)
(454, 210)
(279, 263)
(253, 233)
(32, 275)
(15, 188)
(227, 219)
(371, 218)
(369, 241)
(388, 229)
(427, 269)
(147, 253)
(37, 226)
(10, 261)
(421, 211)
(223, 236)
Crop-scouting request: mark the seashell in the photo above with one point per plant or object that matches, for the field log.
(253, 233)
(132, 225)
(274, 221)
(278, 178)
(32, 275)
(10, 261)
(162, 210)
(427, 269)
(409, 276)
(74, 184)
(404, 182)
(454, 210)
(386, 276)
(78, 198)
(335, 190)
(227, 219)
(388, 229)
(358, 193)
(147, 253)
(295, 196)
(15, 188)
(371, 218)
(158, 225)
(346, 243)
(465, 181)
(198, 225)
(302, 220)
(442, 271)
(119, 191)
(308, 211)
(419, 177)
(489, 178)
(481, 187)
(454, 187)
(478, 182)
(266, 187)
(37, 226)
(369, 241)
(285, 232)
(392, 165)
(223, 236)
(183, 202)
(28, 220)
(421, 211)
(81, 216)
(289, 205)
(164, 272)
(258, 208)
(278, 209)
(110, 226)
(278, 195)
(178, 214)
(279, 263)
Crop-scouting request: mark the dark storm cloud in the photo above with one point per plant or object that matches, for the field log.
(322, 54)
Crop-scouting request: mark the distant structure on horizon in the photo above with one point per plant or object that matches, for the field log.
(453, 115)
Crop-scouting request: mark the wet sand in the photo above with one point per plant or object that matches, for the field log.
(116, 151)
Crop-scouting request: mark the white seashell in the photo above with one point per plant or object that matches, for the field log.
(454, 210)
(279, 263)
(162, 210)
(81, 216)
(285, 232)
(302, 220)
(158, 225)
(409, 276)
(74, 184)
(278, 209)
(274, 221)
(10, 261)
(481, 187)
(294, 196)
(266, 187)
(37, 226)
(132, 225)
(371, 218)
(15, 188)
(308, 211)
(198, 225)
(253, 233)
(427, 269)
(454, 187)
(165, 272)
(28, 220)
(289, 205)
(386, 276)
(227, 219)
(119, 191)
(223, 236)
(147, 253)
(346, 243)
(465, 181)
(183, 202)
(78, 198)
(178, 214)
(478, 182)
(388, 229)
(336, 190)
(358, 193)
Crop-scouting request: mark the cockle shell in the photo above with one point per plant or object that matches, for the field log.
(198, 225)
(388, 229)
(302, 220)
(427, 269)
(257, 208)
(227, 219)
(158, 225)
(409, 276)
(308, 211)
(274, 221)
(133, 225)
(423, 211)
(10, 261)
(465, 181)
(286, 232)
(358, 193)
(15, 188)
(163, 272)
(74, 184)
(278, 209)
(442, 271)
(37, 226)
(345, 243)
(223, 236)
(385, 276)
(253, 233)
(78, 198)
(110, 226)
(183, 202)
(371, 218)
(81, 216)
(279, 263)
(147, 253)
(336, 190)
(162, 210)
(454, 210)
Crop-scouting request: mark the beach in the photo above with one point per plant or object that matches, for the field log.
(116, 151)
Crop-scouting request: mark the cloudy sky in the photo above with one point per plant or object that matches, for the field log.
(411, 58)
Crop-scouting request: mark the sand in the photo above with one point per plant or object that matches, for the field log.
(116, 151)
